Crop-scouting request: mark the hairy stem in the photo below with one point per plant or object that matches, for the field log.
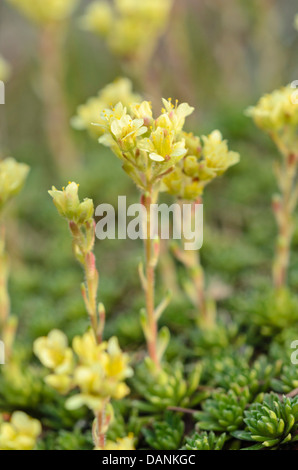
(4, 297)
(150, 277)
(283, 208)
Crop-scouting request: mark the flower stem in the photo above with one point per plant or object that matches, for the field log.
(151, 261)
(197, 291)
(4, 297)
(101, 435)
(283, 208)
(83, 244)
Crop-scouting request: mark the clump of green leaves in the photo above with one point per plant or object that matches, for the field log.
(257, 377)
(167, 434)
(272, 311)
(168, 386)
(272, 423)
(216, 339)
(205, 441)
(223, 411)
(288, 380)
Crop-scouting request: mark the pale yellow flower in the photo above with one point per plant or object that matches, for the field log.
(86, 348)
(100, 374)
(126, 128)
(117, 363)
(123, 443)
(12, 178)
(173, 117)
(43, 11)
(20, 433)
(90, 380)
(142, 111)
(161, 146)
(54, 353)
(123, 129)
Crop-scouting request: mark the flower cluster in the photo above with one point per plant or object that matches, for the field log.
(98, 371)
(206, 159)
(45, 12)
(82, 226)
(4, 70)
(69, 206)
(12, 178)
(89, 113)
(149, 147)
(277, 114)
(130, 28)
(20, 433)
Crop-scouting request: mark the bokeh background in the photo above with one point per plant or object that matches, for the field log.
(219, 56)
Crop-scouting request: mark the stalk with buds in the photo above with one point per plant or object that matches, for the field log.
(12, 179)
(207, 158)
(101, 367)
(277, 115)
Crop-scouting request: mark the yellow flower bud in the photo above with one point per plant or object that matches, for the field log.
(194, 172)
(143, 111)
(191, 166)
(69, 206)
(217, 155)
(85, 211)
